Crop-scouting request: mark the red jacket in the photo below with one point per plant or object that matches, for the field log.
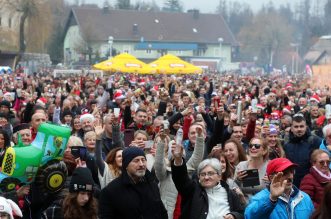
(313, 184)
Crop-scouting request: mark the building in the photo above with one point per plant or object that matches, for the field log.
(9, 27)
(203, 39)
(320, 52)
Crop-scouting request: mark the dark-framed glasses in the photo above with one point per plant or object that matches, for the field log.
(257, 146)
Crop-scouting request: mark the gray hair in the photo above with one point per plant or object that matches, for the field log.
(212, 162)
(325, 129)
(288, 118)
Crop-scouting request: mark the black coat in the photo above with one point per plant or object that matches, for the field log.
(123, 199)
(298, 150)
(195, 199)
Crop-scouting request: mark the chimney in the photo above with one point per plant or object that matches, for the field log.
(195, 13)
(135, 30)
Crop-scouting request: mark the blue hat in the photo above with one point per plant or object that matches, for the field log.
(129, 154)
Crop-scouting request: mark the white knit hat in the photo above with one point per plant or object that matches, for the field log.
(87, 116)
(10, 207)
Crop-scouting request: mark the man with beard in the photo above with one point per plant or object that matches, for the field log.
(282, 199)
(300, 145)
(134, 194)
(86, 122)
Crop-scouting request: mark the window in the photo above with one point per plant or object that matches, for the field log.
(179, 52)
(0, 21)
(9, 22)
(148, 51)
(217, 52)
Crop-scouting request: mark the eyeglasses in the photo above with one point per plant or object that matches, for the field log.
(257, 146)
(209, 174)
(323, 162)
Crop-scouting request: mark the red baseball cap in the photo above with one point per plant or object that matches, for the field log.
(279, 165)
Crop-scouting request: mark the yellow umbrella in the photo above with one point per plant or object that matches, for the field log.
(170, 64)
(125, 63)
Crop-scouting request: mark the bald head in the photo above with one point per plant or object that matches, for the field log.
(37, 119)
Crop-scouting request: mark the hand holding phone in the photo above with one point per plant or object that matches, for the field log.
(79, 152)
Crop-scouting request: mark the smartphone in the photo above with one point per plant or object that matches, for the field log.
(79, 152)
(149, 144)
(217, 103)
(254, 105)
(128, 136)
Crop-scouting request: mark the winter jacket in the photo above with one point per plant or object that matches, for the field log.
(250, 191)
(123, 199)
(299, 206)
(168, 190)
(324, 148)
(194, 196)
(298, 150)
(54, 211)
(313, 184)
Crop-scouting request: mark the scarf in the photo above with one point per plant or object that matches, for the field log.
(328, 177)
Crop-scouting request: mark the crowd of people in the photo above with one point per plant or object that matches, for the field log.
(174, 146)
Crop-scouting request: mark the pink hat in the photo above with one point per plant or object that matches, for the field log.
(316, 98)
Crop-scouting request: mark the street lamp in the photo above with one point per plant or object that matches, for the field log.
(110, 43)
(296, 46)
(220, 41)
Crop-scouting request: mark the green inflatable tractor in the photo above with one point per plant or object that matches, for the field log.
(40, 162)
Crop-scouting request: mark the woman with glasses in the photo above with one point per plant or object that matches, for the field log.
(258, 160)
(210, 197)
(319, 176)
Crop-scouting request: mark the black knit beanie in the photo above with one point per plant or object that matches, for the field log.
(81, 180)
(129, 154)
(66, 112)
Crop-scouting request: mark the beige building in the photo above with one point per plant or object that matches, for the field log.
(203, 39)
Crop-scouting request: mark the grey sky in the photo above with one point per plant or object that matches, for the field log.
(205, 6)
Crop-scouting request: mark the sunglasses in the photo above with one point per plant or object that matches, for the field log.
(324, 162)
(257, 146)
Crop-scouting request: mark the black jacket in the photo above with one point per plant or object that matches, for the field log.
(298, 150)
(195, 199)
(123, 199)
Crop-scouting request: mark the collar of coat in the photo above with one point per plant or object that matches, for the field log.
(127, 180)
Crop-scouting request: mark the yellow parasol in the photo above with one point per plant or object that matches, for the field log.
(125, 63)
(170, 64)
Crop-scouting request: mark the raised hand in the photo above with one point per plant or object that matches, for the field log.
(277, 186)
(98, 129)
(199, 130)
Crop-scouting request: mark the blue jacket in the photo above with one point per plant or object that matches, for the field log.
(324, 148)
(300, 206)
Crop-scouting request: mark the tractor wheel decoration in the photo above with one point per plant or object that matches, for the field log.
(9, 184)
(51, 177)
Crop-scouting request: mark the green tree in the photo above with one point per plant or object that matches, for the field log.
(173, 6)
(123, 4)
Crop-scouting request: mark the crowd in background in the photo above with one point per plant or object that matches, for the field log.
(175, 146)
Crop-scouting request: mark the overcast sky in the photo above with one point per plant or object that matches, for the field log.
(205, 6)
